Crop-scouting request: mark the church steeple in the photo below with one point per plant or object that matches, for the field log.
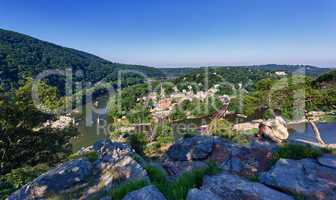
(162, 94)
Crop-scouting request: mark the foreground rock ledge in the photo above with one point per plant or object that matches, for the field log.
(305, 178)
(227, 186)
(191, 153)
(82, 179)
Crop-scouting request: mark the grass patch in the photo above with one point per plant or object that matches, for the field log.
(329, 151)
(178, 189)
(296, 152)
(254, 178)
(92, 156)
(121, 191)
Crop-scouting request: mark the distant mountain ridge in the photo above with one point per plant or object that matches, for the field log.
(326, 79)
(309, 70)
(22, 55)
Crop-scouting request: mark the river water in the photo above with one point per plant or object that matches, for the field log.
(89, 124)
(305, 132)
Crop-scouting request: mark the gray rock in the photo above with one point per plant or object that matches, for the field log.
(116, 165)
(177, 168)
(146, 193)
(302, 177)
(246, 161)
(195, 148)
(234, 158)
(65, 176)
(108, 150)
(196, 194)
(227, 186)
(328, 160)
(81, 179)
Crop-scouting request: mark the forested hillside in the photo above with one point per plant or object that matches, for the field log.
(326, 79)
(22, 55)
(307, 70)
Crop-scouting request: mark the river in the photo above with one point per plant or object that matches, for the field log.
(89, 133)
(305, 132)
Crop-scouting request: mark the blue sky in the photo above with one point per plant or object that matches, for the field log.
(175, 33)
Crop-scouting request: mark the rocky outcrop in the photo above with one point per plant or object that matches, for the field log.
(194, 148)
(146, 193)
(83, 179)
(188, 154)
(228, 186)
(245, 161)
(195, 152)
(59, 179)
(306, 178)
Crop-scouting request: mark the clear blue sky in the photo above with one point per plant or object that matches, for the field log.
(174, 33)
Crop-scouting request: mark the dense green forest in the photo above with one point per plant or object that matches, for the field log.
(22, 56)
(326, 79)
(27, 147)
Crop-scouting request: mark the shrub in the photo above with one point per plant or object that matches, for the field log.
(189, 135)
(165, 139)
(19, 177)
(138, 142)
(156, 175)
(329, 151)
(223, 128)
(178, 189)
(177, 115)
(296, 152)
(163, 130)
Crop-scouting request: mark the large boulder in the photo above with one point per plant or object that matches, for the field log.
(146, 193)
(247, 161)
(227, 186)
(116, 164)
(81, 178)
(194, 148)
(70, 174)
(306, 178)
(192, 153)
(188, 154)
